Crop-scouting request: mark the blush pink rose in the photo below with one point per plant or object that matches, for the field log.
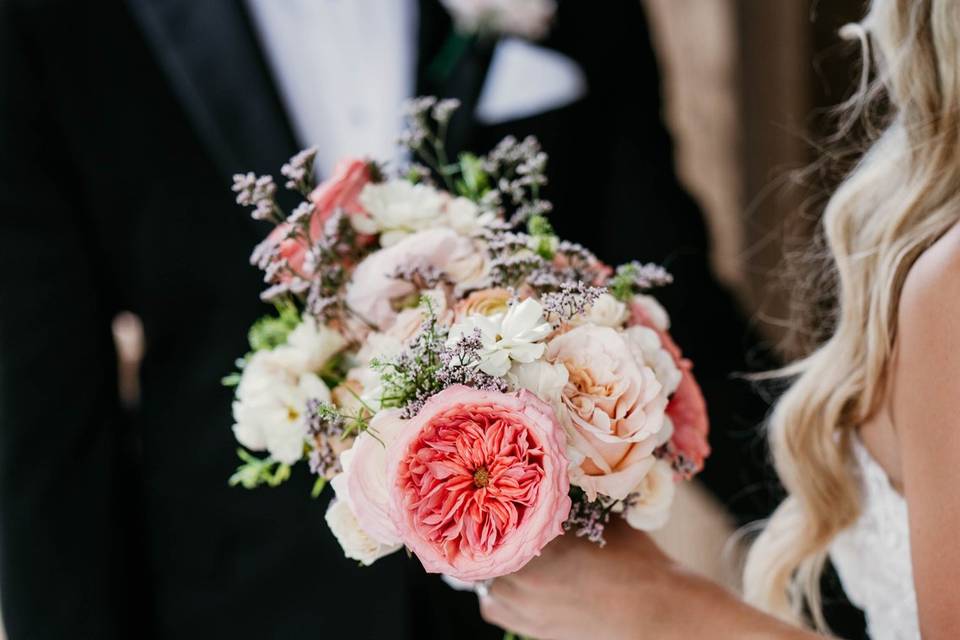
(373, 289)
(687, 409)
(339, 191)
(479, 482)
(364, 485)
(613, 406)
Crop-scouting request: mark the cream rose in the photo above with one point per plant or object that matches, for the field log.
(614, 408)
(485, 302)
(648, 506)
(356, 543)
(397, 208)
(647, 346)
(606, 311)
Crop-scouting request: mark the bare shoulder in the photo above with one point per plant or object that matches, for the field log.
(931, 293)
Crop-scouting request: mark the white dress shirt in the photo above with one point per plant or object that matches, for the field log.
(343, 68)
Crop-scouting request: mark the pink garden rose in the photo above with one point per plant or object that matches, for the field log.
(339, 191)
(373, 289)
(614, 408)
(478, 482)
(687, 409)
(365, 487)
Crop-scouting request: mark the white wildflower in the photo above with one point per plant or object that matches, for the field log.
(516, 336)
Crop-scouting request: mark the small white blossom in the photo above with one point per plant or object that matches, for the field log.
(516, 336)
(465, 217)
(398, 208)
(310, 346)
(271, 403)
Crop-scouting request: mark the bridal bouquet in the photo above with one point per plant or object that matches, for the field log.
(470, 385)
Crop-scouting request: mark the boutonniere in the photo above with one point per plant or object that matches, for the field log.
(529, 19)
(484, 21)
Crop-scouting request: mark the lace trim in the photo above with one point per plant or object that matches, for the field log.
(873, 556)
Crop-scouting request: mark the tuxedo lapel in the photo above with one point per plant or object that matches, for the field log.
(210, 54)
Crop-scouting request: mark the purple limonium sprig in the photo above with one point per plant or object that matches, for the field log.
(421, 276)
(299, 171)
(571, 300)
(588, 519)
(260, 193)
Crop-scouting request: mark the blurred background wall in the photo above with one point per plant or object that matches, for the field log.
(748, 85)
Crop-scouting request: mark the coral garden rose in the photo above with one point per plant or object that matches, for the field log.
(613, 407)
(478, 482)
(691, 426)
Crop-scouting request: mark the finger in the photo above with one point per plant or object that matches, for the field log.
(500, 612)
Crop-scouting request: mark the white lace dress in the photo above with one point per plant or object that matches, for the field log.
(873, 557)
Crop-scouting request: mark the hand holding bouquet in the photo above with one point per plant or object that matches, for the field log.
(469, 384)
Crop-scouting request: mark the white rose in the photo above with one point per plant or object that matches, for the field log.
(607, 311)
(516, 336)
(647, 347)
(310, 345)
(464, 217)
(648, 506)
(356, 543)
(398, 208)
(271, 403)
(653, 310)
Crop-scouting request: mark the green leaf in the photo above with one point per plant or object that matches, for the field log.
(622, 285)
(539, 226)
(318, 487)
(256, 471)
(231, 380)
(270, 332)
(474, 180)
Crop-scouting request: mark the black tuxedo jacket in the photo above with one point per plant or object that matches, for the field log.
(120, 126)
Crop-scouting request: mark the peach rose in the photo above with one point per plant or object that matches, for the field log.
(614, 408)
(485, 302)
(478, 482)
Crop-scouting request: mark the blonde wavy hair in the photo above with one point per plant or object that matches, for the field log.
(901, 196)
